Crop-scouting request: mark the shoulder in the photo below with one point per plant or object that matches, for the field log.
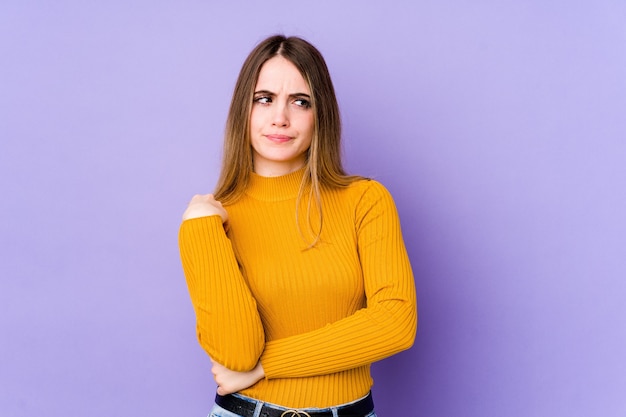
(369, 190)
(373, 205)
(363, 193)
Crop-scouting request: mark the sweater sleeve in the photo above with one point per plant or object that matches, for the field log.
(387, 324)
(228, 325)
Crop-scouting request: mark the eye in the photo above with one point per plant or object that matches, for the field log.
(262, 100)
(300, 102)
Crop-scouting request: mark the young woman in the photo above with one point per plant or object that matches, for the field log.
(297, 272)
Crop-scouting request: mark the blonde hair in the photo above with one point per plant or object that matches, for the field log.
(324, 166)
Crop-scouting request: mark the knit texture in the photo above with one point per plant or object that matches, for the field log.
(316, 318)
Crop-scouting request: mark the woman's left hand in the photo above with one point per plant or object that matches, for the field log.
(229, 382)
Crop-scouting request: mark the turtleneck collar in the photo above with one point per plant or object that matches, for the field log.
(280, 188)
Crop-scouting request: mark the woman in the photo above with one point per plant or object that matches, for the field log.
(297, 272)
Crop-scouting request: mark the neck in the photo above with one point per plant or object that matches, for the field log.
(265, 169)
(276, 188)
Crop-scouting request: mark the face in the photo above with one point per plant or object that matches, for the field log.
(282, 119)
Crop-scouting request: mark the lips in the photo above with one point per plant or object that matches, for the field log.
(278, 138)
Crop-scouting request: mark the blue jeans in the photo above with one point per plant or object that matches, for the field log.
(218, 411)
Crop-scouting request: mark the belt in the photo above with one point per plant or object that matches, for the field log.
(246, 408)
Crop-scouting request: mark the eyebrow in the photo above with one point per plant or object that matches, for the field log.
(294, 95)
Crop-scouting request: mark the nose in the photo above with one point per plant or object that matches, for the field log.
(280, 116)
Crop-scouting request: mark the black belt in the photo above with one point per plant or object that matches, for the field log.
(246, 408)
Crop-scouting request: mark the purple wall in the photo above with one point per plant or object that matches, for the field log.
(499, 126)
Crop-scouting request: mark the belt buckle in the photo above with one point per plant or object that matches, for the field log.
(295, 413)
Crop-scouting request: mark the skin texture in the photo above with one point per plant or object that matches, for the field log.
(282, 120)
(229, 382)
(202, 205)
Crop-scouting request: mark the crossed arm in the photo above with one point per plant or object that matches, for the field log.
(386, 326)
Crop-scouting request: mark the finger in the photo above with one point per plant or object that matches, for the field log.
(202, 197)
(222, 391)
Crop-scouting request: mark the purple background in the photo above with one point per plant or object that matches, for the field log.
(499, 126)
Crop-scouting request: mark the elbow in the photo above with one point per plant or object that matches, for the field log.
(241, 364)
(398, 325)
(407, 330)
(412, 331)
(241, 356)
(408, 340)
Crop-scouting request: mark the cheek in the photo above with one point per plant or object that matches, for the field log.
(308, 124)
(254, 120)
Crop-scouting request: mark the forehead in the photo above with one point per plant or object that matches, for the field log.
(280, 75)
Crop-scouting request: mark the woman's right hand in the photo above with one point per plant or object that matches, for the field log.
(202, 205)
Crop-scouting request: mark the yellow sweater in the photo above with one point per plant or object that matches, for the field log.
(316, 318)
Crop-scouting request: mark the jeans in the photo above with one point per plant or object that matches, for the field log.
(218, 411)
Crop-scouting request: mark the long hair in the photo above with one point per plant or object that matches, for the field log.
(324, 166)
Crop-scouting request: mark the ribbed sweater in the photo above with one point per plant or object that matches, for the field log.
(316, 318)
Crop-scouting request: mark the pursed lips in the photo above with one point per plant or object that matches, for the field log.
(278, 138)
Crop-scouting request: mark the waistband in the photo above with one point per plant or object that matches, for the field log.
(247, 407)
